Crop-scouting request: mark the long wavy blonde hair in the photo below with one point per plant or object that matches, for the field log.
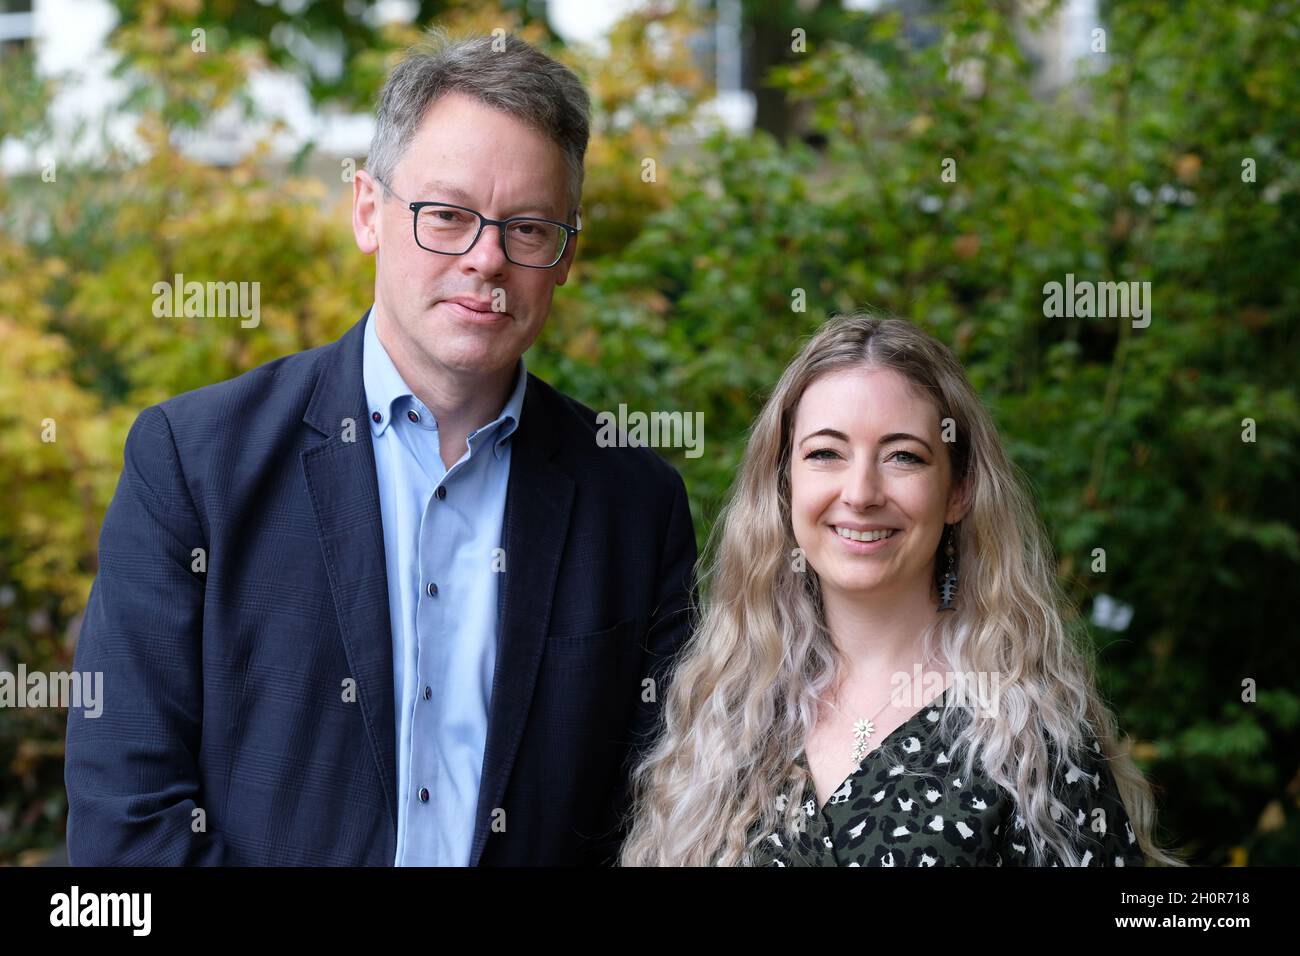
(746, 691)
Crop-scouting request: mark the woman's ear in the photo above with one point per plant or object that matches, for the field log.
(958, 503)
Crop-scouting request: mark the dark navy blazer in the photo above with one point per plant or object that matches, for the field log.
(225, 669)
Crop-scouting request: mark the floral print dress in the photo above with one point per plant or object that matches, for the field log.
(908, 805)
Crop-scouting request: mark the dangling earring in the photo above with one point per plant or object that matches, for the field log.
(948, 587)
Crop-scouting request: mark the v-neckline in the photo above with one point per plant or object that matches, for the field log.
(940, 701)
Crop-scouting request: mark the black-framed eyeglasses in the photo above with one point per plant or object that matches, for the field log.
(451, 230)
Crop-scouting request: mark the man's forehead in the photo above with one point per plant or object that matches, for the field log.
(468, 152)
(465, 192)
(444, 188)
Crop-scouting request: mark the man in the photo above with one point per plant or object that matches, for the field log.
(387, 601)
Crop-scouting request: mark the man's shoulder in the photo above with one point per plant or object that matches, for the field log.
(277, 391)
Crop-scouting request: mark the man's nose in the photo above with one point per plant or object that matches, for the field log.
(486, 257)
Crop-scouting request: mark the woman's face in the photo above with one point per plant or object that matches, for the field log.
(867, 461)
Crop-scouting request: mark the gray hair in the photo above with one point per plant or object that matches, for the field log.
(502, 71)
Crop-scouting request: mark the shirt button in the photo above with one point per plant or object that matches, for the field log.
(432, 589)
(412, 415)
(441, 492)
(428, 692)
(376, 417)
(424, 794)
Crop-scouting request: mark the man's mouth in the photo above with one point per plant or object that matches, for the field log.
(470, 302)
(475, 309)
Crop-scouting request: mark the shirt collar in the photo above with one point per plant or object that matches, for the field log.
(385, 386)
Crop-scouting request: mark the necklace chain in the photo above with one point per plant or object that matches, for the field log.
(862, 731)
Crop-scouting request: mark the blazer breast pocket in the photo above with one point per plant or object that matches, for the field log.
(584, 683)
(596, 645)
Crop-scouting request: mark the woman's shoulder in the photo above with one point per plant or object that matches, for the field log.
(1086, 803)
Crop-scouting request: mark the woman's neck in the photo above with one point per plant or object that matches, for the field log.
(879, 635)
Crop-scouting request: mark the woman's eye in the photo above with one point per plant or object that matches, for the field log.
(908, 458)
(821, 454)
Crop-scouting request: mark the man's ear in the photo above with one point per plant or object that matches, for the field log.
(367, 194)
(566, 261)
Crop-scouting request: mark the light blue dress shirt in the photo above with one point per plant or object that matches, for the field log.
(442, 532)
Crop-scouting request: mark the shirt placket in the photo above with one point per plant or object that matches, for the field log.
(421, 439)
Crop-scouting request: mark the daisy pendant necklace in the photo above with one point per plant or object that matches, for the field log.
(862, 731)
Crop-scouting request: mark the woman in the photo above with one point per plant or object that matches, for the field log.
(878, 535)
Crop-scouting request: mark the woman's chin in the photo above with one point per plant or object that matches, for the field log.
(861, 585)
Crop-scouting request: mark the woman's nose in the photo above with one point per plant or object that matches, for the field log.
(862, 487)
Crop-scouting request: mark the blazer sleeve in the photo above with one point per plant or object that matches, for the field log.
(673, 618)
(670, 626)
(132, 770)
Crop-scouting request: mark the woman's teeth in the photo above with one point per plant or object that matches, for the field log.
(864, 535)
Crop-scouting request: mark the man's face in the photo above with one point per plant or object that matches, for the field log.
(472, 155)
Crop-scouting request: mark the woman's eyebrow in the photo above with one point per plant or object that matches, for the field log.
(905, 436)
(828, 432)
(884, 439)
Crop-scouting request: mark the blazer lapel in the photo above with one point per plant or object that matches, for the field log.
(539, 498)
(344, 495)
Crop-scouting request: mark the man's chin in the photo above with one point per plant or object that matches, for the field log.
(470, 358)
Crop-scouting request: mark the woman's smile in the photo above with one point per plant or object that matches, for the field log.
(856, 541)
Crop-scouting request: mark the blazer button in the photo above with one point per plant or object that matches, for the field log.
(441, 492)
(432, 589)
(424, 794)
(428, 692)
